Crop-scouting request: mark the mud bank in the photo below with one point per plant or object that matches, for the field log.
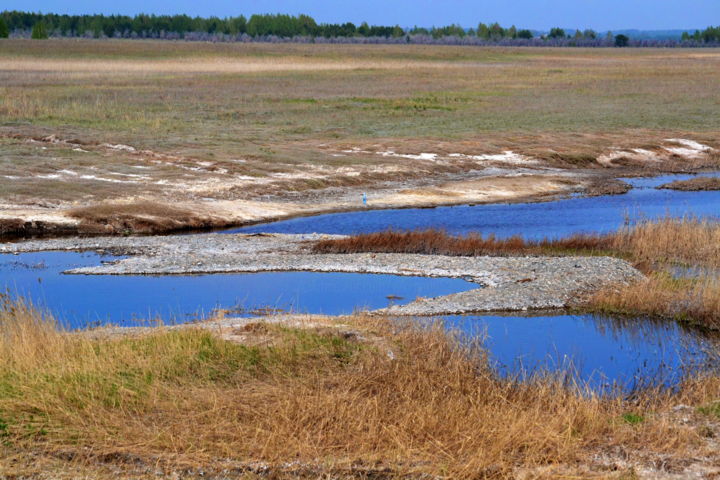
(504, 283)
(149, 215)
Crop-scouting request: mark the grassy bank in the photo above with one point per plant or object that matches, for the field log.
(327, 402)
(654, 246)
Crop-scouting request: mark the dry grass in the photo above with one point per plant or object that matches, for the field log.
(694, 184)
(179, 399)
(438, 242)
(694, 301)
(668, 240)
(143, 217)
(670, 244)
(687, 240)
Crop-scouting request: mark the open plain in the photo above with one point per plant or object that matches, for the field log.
(184, 135)
(103, 140)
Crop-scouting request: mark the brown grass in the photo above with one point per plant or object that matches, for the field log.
(694, 301)
(667, 240)
(438, 242)
(184, 399)
(143, 217)
(694, 184)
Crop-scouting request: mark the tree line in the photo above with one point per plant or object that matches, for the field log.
(155, 26)
(282, 27)
(709, 35)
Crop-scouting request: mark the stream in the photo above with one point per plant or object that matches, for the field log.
(550, 219)
(600, 351)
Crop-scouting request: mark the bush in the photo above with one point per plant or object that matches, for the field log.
(621, 40)
(39, 32)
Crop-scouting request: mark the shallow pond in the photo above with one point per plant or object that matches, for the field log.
(602, 351)
(531, 220)
(81, 300)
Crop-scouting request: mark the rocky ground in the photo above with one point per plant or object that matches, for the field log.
(505, 283)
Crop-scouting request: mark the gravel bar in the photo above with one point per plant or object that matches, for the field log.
(506, 283)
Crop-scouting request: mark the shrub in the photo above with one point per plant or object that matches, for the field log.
(621, 40)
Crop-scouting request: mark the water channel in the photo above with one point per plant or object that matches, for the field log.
(601, 351)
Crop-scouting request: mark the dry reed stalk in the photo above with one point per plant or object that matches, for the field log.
(186, 398)
(438, 242)
(673, 240)
(695, 301)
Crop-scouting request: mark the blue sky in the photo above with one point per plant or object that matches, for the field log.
(539, 14)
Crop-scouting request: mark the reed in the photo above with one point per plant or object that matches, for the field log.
(439, 242)
(693, 301)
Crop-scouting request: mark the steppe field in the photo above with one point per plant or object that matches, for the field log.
(150, 136)
(104, 143)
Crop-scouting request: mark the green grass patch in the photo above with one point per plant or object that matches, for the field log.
(633, 418)
(713, 409)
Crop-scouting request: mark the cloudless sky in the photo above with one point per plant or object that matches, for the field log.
(536, 14)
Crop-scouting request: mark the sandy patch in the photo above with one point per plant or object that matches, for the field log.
(690, 148)
(687, 149)
(483, 190)
(506, 157)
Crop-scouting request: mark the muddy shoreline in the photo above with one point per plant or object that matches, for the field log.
(148, 192)
(17, 229)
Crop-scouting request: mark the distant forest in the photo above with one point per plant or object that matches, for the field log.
(303, 28)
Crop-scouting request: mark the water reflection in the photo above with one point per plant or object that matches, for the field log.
(605, 352)
(80, 300)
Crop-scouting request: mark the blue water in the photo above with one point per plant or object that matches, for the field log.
(601, 351)
(531, 220)
(79, 301)
(604, 352)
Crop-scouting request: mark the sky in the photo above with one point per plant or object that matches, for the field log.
(533, 14)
